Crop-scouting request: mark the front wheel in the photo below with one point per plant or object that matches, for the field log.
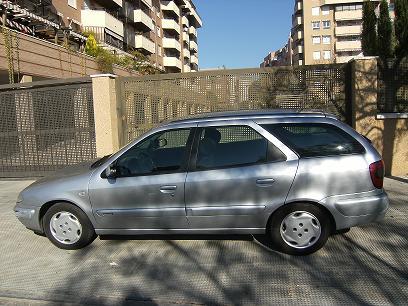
(68, 227)
(299, 229)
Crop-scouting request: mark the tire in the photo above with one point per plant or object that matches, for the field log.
(68, 227)
(299, 229)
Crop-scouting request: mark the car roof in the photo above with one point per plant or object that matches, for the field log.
(249, 114)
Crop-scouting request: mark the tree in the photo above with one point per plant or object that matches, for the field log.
(369, 33)
(91, 46)
(401, 29)
(385, 50)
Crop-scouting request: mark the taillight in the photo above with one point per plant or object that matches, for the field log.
(377, 174)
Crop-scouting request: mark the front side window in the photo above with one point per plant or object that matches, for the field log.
(315, 139)
(326, 24)
(232, 146)
(316, 55)
(316, 40)
(163, 152)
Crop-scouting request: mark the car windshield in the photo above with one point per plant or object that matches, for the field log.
(100, 161)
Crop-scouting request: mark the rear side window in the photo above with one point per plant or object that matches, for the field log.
(315, 139)
(232, 146)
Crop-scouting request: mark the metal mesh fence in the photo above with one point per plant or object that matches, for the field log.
(45, 127)
(148, 100)
(393, 88)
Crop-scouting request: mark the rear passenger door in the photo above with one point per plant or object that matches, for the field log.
(238, 174)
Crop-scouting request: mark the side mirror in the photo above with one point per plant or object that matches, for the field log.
(111, 172)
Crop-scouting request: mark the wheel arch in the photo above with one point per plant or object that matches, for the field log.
(46, 206)
(318, 205)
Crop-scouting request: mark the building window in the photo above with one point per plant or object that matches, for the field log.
(326, 24)
(325, 10)
(158, 32)
(326, 40)
(327, 55)
(315, 11)
(349, 7)
(316, 25)
(72, 3)
(316, 40)
(316, 55)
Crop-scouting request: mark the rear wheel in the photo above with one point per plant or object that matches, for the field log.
(68, 227)
(299, 229)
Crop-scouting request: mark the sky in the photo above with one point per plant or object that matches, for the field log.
(240, 33)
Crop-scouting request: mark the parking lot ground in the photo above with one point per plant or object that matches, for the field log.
(367, 265)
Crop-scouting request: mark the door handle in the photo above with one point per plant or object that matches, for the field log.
(266, 182)
(168, 189)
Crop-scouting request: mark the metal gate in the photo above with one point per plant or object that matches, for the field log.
(45, 126)
(148, 100)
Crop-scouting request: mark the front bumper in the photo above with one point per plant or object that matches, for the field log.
(357, 209)
(29, 217)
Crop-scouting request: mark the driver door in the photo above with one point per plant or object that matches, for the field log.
(148, 191)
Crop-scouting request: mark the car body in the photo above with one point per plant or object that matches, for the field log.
(231, 172)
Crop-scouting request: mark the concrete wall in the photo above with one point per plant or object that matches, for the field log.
(389, 135)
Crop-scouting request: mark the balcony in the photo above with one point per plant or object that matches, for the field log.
(345, 59)
(193, 46)
(348, 30)
(173, 62)
(352, 45)
(170, 24)
(348, 15)
(112, 4)
(298, 35)
(144, 43)
(171, 43)
(101, 19)
(186, 37)
(149, 3)
(326, 2)
(194, 59)
(143, 20)
(170, 6)
(297, 21)
(196, 18)
(298, 6)
(184, 21)
(186, 53)
(192, 31)
(186, 68)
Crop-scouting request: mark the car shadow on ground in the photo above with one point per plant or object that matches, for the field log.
(364, 266)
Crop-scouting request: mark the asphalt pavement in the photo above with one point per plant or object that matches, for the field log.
(367, 265)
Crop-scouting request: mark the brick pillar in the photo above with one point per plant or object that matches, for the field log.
(106, 113)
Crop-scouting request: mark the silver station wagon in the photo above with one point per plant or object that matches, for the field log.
(295, 176)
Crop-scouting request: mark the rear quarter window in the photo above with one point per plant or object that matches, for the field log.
(315, 139)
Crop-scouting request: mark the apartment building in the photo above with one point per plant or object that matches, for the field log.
(327, 31)
(281, 57)
(164, 31)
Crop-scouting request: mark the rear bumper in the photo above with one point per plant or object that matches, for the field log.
(356, 209)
